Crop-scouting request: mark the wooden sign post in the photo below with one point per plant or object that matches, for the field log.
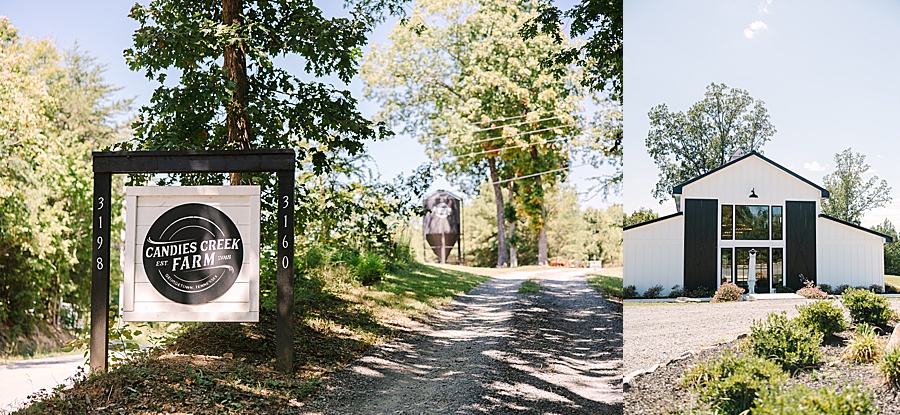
(105, 164)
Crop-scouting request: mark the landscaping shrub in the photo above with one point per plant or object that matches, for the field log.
(890, 368)
(841, 288)
(345, 256)
(804, 400)
(877, 289)
(699, 292)
(629, 291)
(728, 292)
(827, 288)
(785, 341)
(826, 317)
(865, 346)
(676, 291)
(890, 289)
(867, 307)
(371, 269)
(810, 291)
(654, 291)
(730, 383)
(781, 289)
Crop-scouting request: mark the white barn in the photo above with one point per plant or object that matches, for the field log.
(751, 203)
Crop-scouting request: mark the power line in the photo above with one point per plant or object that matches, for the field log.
(507, 148)
(537, 174)
(512, 118)
(495, 128)
(511, 135)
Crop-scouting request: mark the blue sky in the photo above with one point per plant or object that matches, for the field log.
(103, 30)
(828, 72)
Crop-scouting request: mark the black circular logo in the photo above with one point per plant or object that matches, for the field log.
(193, 253)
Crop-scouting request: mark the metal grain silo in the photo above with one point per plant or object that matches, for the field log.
(441, 225)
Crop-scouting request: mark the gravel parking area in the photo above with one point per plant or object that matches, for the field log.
(657, 332)
(495, 352)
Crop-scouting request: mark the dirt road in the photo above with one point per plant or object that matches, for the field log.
(495, 351)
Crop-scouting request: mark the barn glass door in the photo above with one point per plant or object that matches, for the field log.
(742, 268)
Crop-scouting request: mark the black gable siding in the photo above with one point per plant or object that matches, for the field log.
(800, 243)
(701, 231)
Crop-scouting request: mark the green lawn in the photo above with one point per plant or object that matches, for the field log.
(893, 280)
(530, 286)
(608, 286)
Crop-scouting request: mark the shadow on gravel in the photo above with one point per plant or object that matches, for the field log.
(496, 352)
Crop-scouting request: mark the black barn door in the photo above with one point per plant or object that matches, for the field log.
(701, 231)
(800, 243)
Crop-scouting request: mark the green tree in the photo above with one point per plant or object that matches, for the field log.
(601, 55)
(458, 77)
(605, 242)
(891, 250)
(54, 109)
(640, 216)
(684, 145)
(851, 196)
(229, 92)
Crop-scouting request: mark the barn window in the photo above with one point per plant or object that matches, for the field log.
(776, 222)
(727, 222)
(751, 222)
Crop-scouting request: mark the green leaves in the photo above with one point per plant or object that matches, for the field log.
(186, 41)
(850, 195)
(55, 109)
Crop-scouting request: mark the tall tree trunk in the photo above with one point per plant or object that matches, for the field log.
(542, 236)
(235, 67)
(542, 231)
(513, 254)
(502, 258)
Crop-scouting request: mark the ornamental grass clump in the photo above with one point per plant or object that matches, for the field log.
(786, 342)
(811, 291)
(889, 366)
(826, 317)
(804, 400)
(867, 307)
(865, 347)
(728, 292)
(730, 383)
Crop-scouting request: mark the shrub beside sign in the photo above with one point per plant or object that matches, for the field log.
(192, 253)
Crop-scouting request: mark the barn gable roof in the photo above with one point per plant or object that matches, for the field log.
(678, 188)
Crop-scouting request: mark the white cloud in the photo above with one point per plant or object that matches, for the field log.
(814, 166)
(764, 6)
(754, 28)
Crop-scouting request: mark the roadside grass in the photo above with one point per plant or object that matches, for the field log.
(606, 285)
(228, 368)
(529, 286)
(893, 280)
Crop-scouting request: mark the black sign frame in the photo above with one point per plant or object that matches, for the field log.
(105, 164)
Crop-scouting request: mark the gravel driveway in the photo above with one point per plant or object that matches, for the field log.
(657, 332)
(495, 351)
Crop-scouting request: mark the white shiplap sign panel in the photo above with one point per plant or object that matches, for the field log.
(191, 253)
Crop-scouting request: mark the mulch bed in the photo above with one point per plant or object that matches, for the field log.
(661, 392)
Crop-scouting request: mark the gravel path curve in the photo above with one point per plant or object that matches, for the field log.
(495, 351)
(656, 333)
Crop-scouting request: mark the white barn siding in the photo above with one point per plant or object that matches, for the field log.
(732, 185)
(845, 255)
(654, 254)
